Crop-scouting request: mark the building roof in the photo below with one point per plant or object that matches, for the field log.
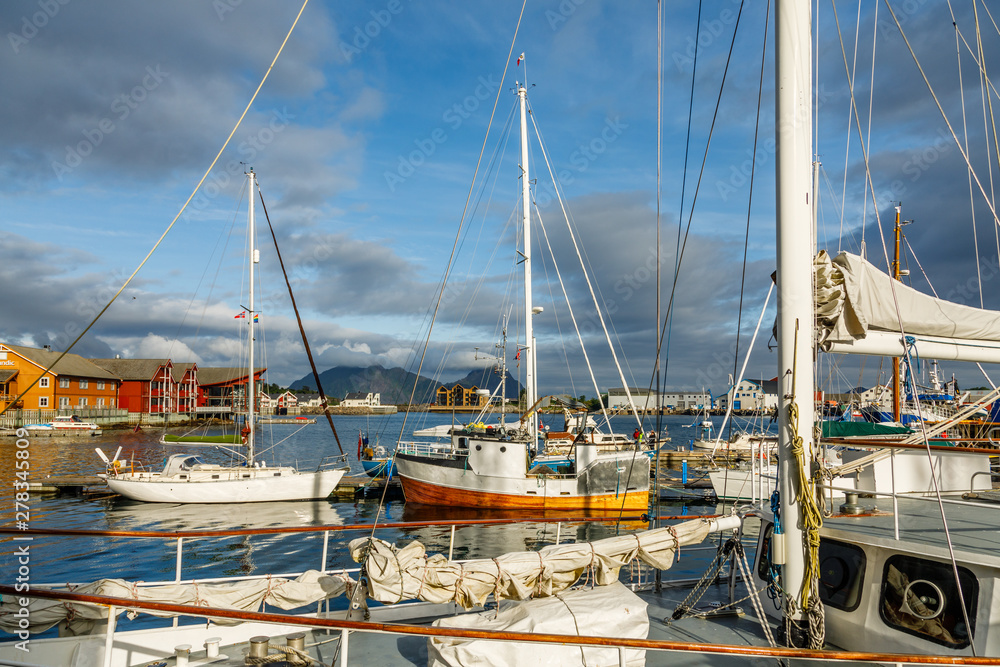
(181, 369)
(356, 395)
(214, 375)
(71, 364)
(132, 369)
(7, 374)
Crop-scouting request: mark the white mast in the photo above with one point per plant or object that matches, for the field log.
(793, 129)
(254, 258)
(529, 336)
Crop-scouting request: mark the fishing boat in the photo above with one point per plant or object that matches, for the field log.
(187, 478)
(493, 466)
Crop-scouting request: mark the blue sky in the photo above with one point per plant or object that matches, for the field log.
(365, 139)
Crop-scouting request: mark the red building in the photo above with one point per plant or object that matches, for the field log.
(225, 389)
(185, 376)
(147, 384)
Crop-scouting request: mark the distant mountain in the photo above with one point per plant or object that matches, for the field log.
(395, 384)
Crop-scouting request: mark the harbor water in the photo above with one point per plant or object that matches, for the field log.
(74, 560)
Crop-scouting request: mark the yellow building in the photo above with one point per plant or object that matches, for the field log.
(459, 397)
(72, 384)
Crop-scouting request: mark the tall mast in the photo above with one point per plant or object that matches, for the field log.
(896, 273)
(254, 258)
(529, 336)
(793, 129)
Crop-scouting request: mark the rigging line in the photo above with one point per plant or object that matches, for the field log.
(753, 171)
(852, 78)
(172, 222)
(451, 257)
(660, 349)
(965, 136)
(590, 286)
(866, 140)
(944, 116)
(869, 182)
(919, 266)
(990, 122)
(298, 319)
(668, 320)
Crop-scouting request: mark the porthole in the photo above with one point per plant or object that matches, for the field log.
(503, 448)
(479, 448)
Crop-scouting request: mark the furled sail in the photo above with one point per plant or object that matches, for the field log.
(856, 313)
(80, 617)
(397, 574)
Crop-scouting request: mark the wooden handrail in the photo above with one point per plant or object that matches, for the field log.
(84, 532)
(536, 638)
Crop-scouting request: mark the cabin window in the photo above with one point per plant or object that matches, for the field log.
(215, 477)
(43, 383)
(920, 597)
(841, 571)
(43, 401)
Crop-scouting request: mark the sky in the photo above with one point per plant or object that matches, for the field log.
(366, 138)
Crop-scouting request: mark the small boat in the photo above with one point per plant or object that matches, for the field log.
(64, 423)
(375, 460)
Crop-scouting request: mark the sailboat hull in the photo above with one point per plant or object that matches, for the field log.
(235, 486)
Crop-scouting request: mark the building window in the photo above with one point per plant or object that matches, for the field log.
(100, 402)
(100, 384)
(64, 383)
(43, 401)
(63, 402)
(84, 384)
(82, 402)
(43, 382)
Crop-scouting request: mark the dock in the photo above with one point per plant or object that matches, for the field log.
(76, 485)
(356, 487)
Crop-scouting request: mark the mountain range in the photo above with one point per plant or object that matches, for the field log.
(396, 384)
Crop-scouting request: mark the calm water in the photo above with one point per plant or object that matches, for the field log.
(84, 559)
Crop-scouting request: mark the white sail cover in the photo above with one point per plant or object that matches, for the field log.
(605, 611)
(856, 311)
(310, 586)
(397, 574)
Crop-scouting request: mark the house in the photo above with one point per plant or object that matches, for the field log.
(751, 396)
(359, 399)
(309, 400)
(459, 397)
(72, 383)
(185, 377)
(224, 390)
(147, 385)
(287, 401)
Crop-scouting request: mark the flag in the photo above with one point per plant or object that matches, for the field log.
(519, 59)
(241, 315)
(517, 356)
(256, 317)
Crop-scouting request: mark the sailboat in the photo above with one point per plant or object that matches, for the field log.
(187, 478)
(493, 467)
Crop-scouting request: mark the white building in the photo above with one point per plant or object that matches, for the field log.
(643, 399)
(751, 395)
(359, 399)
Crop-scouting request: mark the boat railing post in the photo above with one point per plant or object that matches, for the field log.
(558, 532)
(109, 637)
(621, 656)
(343, 647)
(177, 568)
(322, 568)
(451, 542)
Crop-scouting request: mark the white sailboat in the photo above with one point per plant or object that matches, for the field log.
(187, 478)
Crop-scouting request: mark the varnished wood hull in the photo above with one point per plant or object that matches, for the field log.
(417, 491)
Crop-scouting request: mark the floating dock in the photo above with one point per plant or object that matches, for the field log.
(68, 484)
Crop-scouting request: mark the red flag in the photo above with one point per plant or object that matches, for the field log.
(519, 59)
(517, 356)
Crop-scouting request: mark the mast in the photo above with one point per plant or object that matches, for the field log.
(793, 129)
(254, 258)
(529, 336)
(897, 274)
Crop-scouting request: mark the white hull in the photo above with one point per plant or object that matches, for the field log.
(236, 485)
